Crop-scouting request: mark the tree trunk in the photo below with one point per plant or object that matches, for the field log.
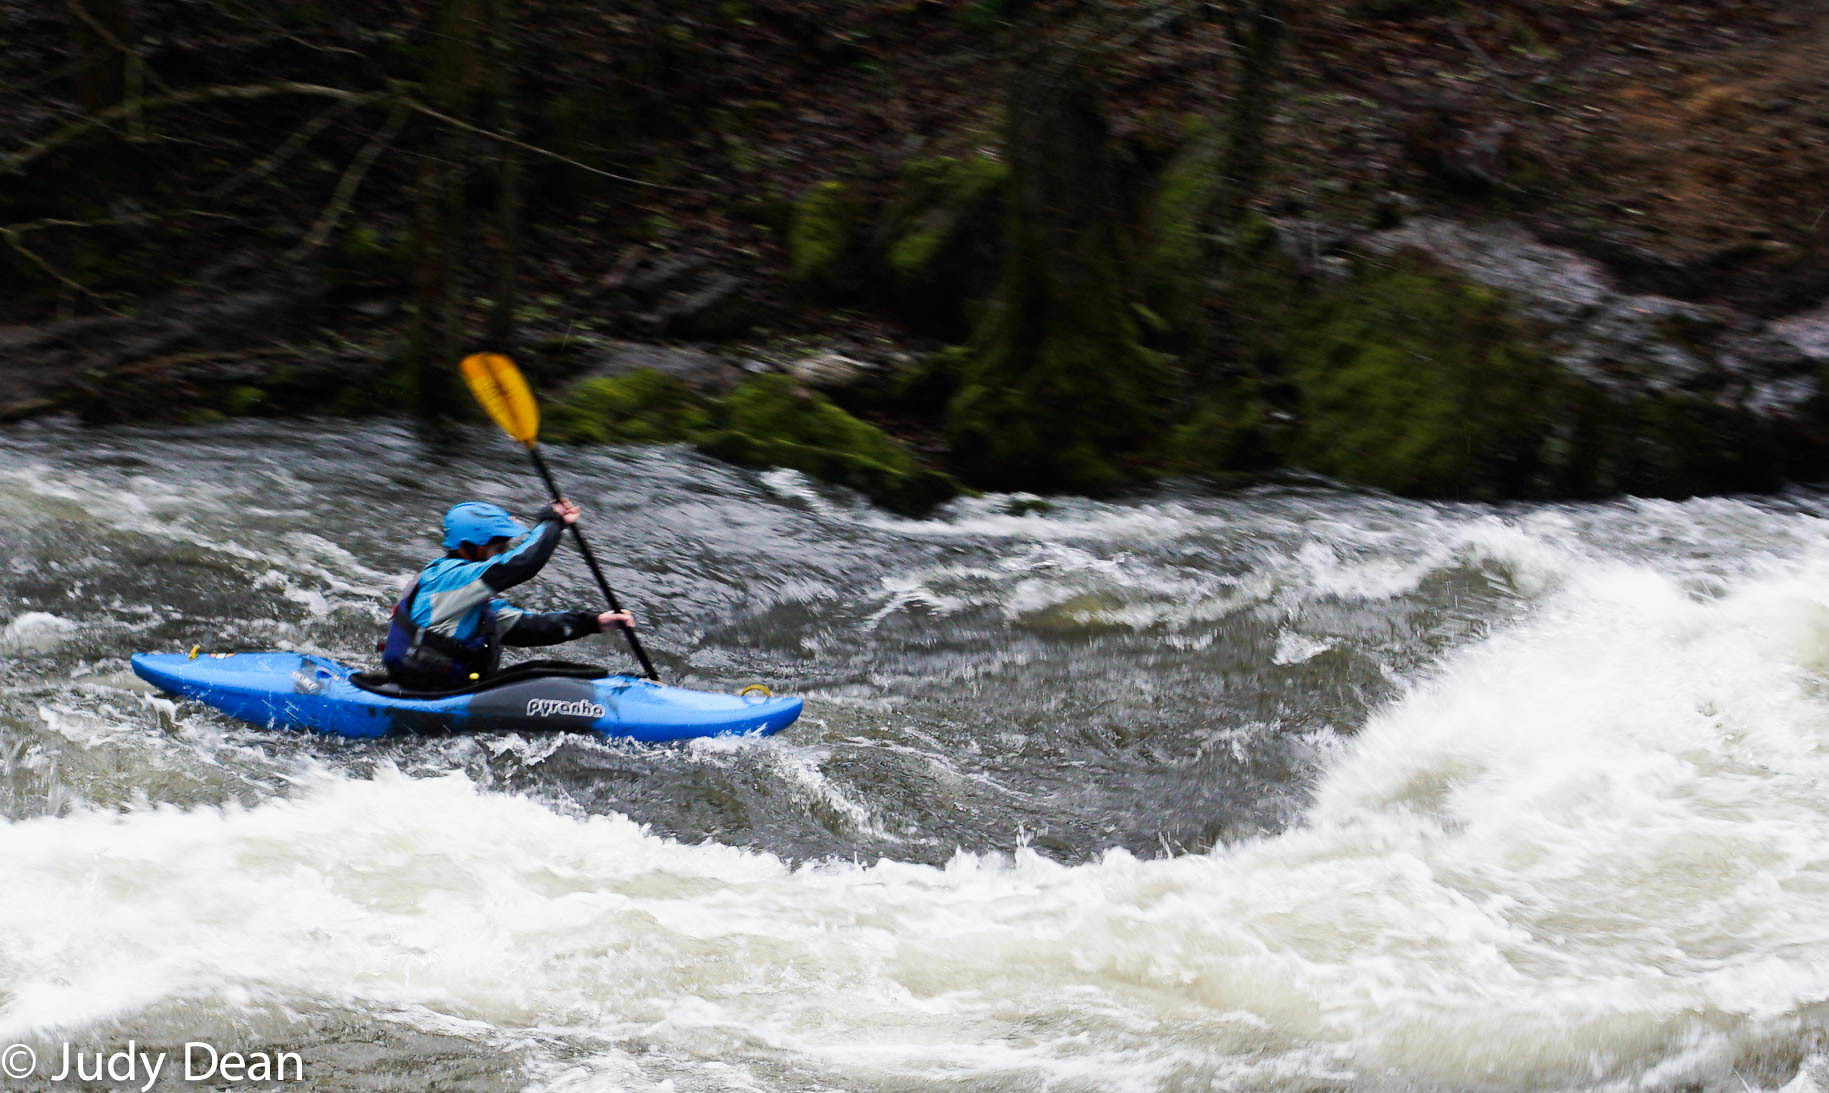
(440, 335)
(507, 235)
(1257, 29)
(1055, 382)
(100, 33)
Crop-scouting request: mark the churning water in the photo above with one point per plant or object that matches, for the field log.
(1296, 789)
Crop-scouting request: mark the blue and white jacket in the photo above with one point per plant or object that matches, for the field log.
(450, 626)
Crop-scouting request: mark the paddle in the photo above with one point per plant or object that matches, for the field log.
(499, 386)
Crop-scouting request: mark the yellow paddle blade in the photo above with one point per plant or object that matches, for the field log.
(499, 386)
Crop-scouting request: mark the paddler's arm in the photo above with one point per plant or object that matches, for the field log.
(518, 627)
(529, 556)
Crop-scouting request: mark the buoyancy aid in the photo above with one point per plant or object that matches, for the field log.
(420, 657)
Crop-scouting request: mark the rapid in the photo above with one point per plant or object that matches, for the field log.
(1297, 788)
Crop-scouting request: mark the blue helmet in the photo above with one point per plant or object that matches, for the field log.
(478, 522)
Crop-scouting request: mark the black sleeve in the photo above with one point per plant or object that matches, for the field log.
(524, 561)
(550, 628)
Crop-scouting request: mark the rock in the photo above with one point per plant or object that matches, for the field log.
(643, 272)
(1626, 343)
(663, 272)
(772, 421)
(117, 367)
(718, 309)
(1392, 209)
(24, 408)
(832, 371)
(1807, 333)
(696, 368)
(377, 310)
(680, 296)
(1333, 267)
(639, 407)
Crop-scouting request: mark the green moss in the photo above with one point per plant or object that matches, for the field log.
(383, 390)
(1060, 415)
(1175, 248)
(657, 227)
(939, 238)
(769, 421)
(366, 254)
(1056, 391)
(1416, 381)
(819, 237)
(913, 253)
(242, 400)
(960, 179)
(1228, 435)
(642, 407)
(981, 16)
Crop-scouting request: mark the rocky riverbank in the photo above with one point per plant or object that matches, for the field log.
(1561, 249)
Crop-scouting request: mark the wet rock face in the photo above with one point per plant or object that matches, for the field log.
(1624, 343)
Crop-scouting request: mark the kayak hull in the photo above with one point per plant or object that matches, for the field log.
(301, 691)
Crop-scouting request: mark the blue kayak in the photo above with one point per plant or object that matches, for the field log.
(299, 691)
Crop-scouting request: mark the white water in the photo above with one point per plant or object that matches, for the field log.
(1557, 778)
(1590, 851)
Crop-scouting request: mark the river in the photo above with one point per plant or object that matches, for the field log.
(1298, 788)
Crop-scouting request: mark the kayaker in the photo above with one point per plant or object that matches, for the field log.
(448, 629)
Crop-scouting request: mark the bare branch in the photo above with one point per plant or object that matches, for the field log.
(178, 98)
(12, 240)
(286, 150)
(81, 10)
(544, 153)
(125, 220)
(71, 132)
(352, 178)
(1473, 47)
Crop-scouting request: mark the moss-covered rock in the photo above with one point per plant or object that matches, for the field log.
(1228, 435)
(643, 407)
(939, 240)
(1410, 378)
(770, 421)
(1417, 381)
(243, 399)
(820, 238)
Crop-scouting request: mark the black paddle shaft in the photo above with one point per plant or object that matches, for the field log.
(591, 560)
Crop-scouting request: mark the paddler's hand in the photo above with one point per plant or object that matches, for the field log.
(566, 511)
(615, 620)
